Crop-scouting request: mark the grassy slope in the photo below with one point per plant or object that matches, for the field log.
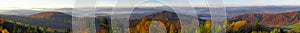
(294, 26)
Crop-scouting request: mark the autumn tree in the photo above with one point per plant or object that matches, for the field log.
(172, 28)
(238, 27)
(207, 26)
(276, 30)
(3, 30)
(1, 21)
(143, 27)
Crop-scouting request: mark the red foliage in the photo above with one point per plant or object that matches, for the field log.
(270, 19)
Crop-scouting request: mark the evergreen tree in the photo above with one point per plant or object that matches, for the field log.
(67, 31)
(257, 22)
(298, 29)
(104, 24)
(116, 26)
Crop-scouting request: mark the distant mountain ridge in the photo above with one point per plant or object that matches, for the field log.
(281, 19)
(58, 20)
(162, 16)
(231, 11)
(48, 15)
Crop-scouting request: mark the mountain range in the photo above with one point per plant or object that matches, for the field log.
(203, 12)
(54, 21)
(280, 19)
(62, 19)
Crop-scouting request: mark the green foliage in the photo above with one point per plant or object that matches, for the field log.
(18, 27)
(19, 23)
(105, 24)
(67, 31)
(276, 30)
(206, 27)
(116, 26)
(217, 29)
(9, 20)
(226, 23)
(295, 26)
(201, 28)
(298, 29)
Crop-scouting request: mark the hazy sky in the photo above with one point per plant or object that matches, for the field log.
(29, 4)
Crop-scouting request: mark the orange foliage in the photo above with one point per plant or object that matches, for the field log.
(1, 21)
(144, 25)
(172, 28)
(4, 31)
(102, 31)
(280, 19)
(43, 15)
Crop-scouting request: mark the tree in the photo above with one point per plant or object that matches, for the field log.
(102, 31)
(201, 28)
(18, 23)
(104, 24)
(276, 30)
(67, 31)
(1, 21)
(298, 29)
(238, 27)
(144, 19)
(172, 28)
(55, 31)
(116, 26)
(257, 23)
(4, 31)
(257, 26)
(207, 27)
(19, 30)
(226, 23)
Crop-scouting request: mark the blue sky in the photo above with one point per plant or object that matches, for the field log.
(29, 4)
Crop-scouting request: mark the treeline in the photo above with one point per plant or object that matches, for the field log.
(241, 26)
(18, 27)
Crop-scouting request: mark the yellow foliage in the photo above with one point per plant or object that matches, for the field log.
(144, 19)
(207, 26)
(4, 31)
(276, 30)
(172, 28)
(237, 26)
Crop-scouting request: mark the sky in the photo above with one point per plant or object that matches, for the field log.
(32, 4)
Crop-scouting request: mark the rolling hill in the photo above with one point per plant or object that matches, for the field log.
(280, 19)
(51, 15)
(17, 27)
(57, 20)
